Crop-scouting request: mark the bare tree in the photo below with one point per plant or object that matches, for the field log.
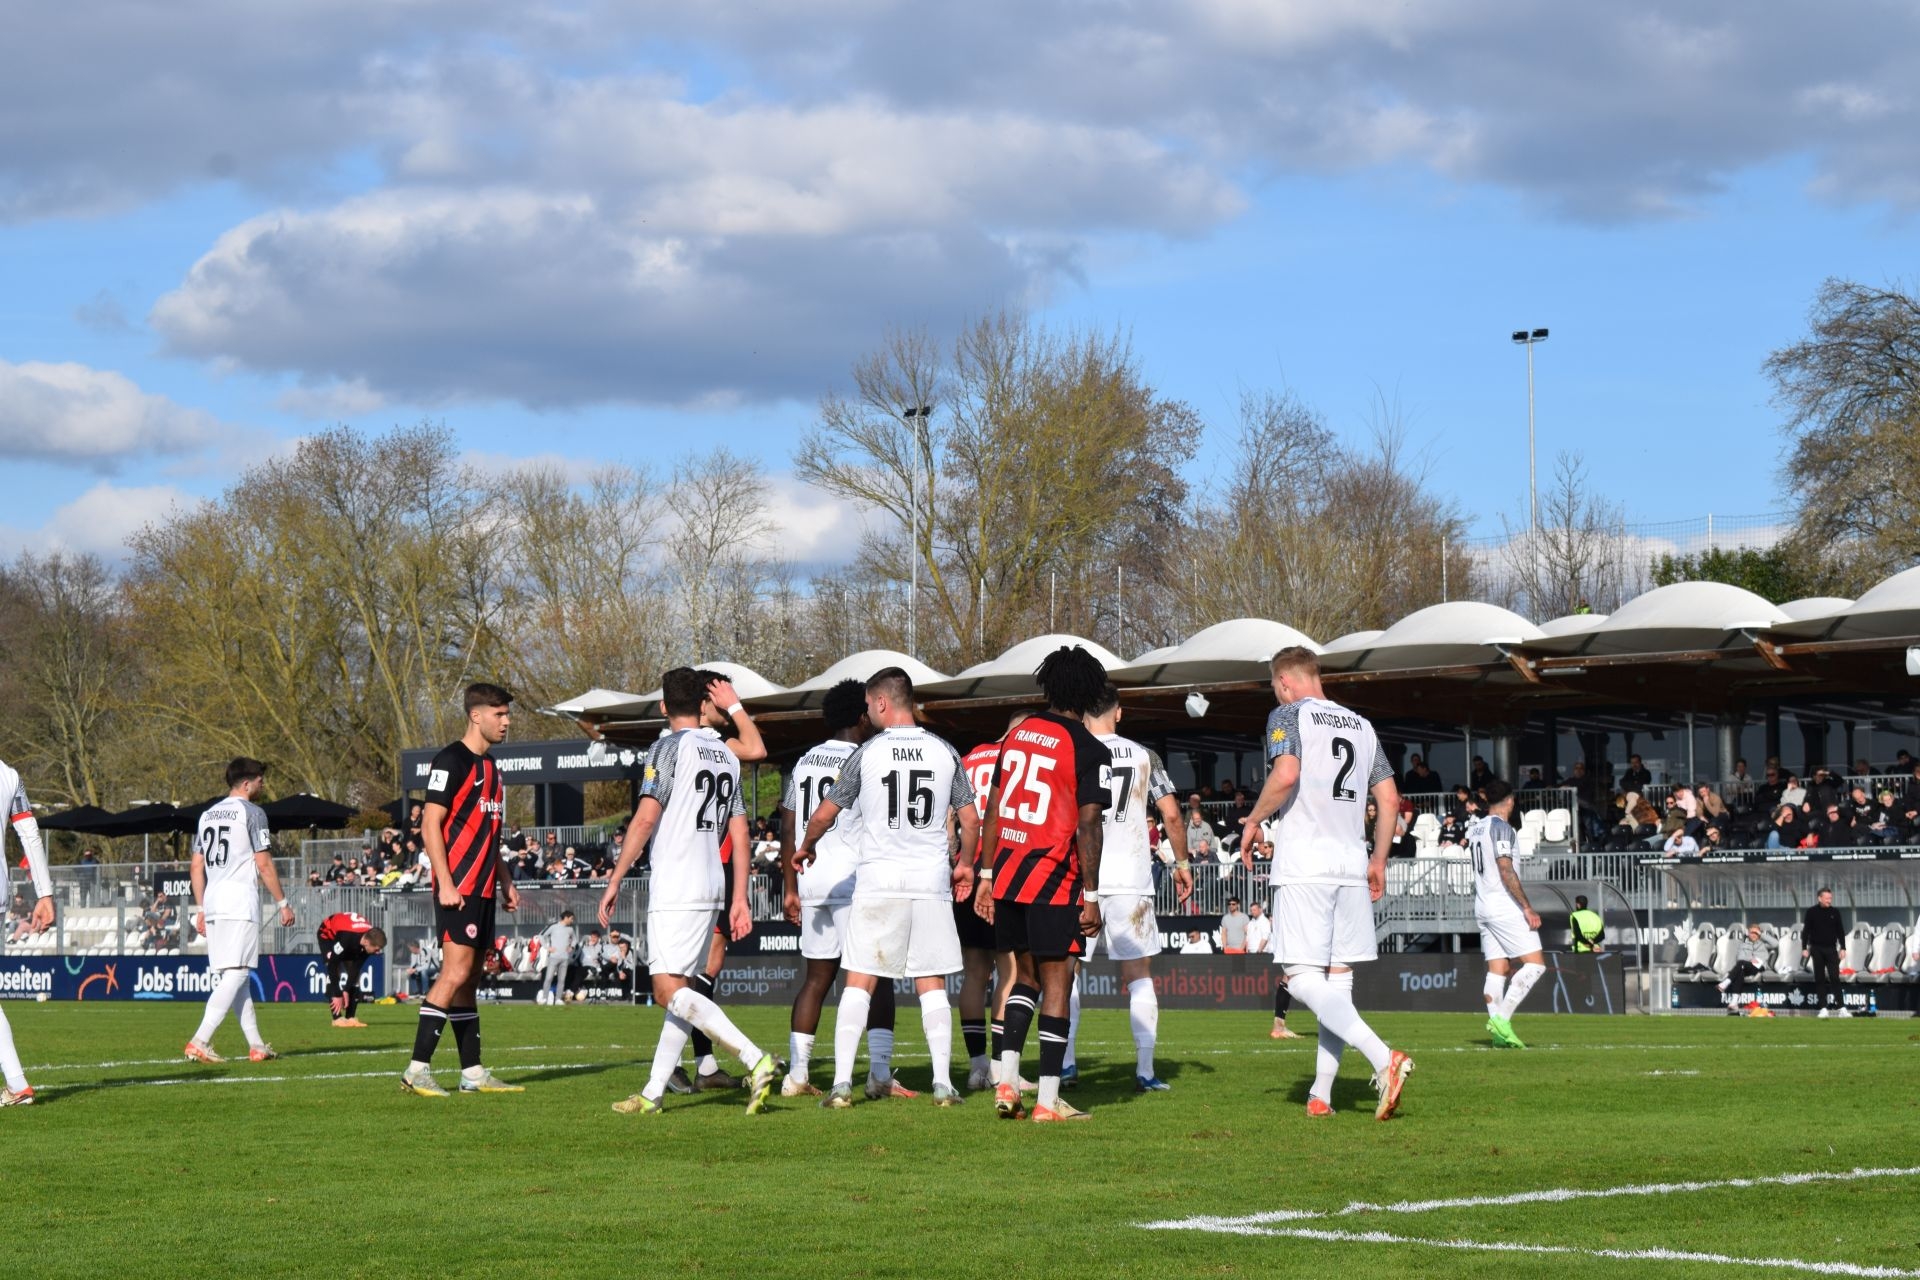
(716, 547)
(1579, 558)
(67, 663)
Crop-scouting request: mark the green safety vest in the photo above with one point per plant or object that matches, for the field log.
(1587, 928)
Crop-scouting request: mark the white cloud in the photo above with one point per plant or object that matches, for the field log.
(99, 521)
(815, 529)
(95, 417)
(331, 401)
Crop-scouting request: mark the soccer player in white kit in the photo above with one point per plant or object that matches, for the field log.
(231, 860)
(20, 817)
(689, 798)
(1325, 760)
(1509, 926)
(1138, 782)
(898, 790)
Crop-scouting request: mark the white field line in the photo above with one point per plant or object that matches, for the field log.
(1553, 1195)
(340, 1075)
(1635, 1255)
(176, 1059)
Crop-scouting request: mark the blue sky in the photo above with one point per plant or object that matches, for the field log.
(591, 231)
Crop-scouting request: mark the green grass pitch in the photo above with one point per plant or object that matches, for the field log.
(134, 1162)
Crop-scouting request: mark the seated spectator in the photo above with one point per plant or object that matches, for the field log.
(1787, 830)
(1683, 797)
(1740, 773)
(1793, 793)
(1712, 806)
(1635, 777)
(1453, 830)
(574, 867)
(1202, 845)
(1681, 845)
(1460, 803)
(1883, 821)
(336, 869)
(1712, 839)
(1752, 958)
(1771, 793)
(1833, 826)
(1824, 789)
(1196, 944)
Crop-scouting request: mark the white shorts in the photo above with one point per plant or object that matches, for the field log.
(233, 944)
(823, 929)
(1507, 936)
(678, 941)
(900, 938)
(1127, 927)
(1323, 924)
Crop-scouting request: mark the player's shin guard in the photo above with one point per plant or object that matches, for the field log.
(1330, 996)
(936, 1019)
(702, 1043)
(1518, 986)
(1022, 1000)
(666, 1055)
(1143, 1011)
(249, 1021)
(1496, 990)
(10, 1057)
(426, 1037)
(225, 992)
(1073, 1019)
(704, 1015)
(1053, 1057)
(848, 1023)
(466, 1035)
(1326, 1064)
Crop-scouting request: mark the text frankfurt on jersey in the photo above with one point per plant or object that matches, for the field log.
(1334, 720)
(1038, 739)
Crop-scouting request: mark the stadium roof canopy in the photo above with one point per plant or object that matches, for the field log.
(1695, 648)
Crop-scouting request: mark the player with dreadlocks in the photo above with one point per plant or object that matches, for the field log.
(1044, 827)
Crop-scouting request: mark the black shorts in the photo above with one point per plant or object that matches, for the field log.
(975, 934)
(470, 925)
(1048, 933)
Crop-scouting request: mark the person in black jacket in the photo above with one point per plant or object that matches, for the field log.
(1821, 937)
(1636, 777)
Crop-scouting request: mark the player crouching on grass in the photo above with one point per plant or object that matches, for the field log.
(1323, 759)
(347, 939)
(689, 796)
(1509, 926)
(231, 860)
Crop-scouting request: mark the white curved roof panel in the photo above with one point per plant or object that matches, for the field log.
(1011, 673)
(860, 666)
(1681, 615)
(1457, 632)
(1572, 624)
(1815, 607)
(1890, 608)
(1238, 649)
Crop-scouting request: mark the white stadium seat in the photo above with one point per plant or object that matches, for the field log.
(1701, 945)
(1889, 950)
(1856, 954)
(1786, 953)
(1726, 948)
(1558, 826)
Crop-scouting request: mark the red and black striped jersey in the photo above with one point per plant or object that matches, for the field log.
(978, 764)
(469, 786)
(1049, 766)
(343, 922)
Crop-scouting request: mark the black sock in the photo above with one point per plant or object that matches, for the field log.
(1282, 999)
(975, 1034)
(426, 1037)
(1018, 1017)
(1053, 1044)
(999, 1034)
(466, 1034)
(702, 1045)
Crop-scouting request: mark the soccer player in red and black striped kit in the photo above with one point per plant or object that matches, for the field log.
(461, 829)
(1044, 831)
(347, 938)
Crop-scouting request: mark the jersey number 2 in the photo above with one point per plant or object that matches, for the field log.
(1343, 749)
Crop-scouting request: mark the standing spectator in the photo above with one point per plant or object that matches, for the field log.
(1822, 935)
(1740, 777)
(1419, 777)
(1479, 775)
(415, 976)
(1586, 925)
(556, 955)
(1636, 777)
(1233, 930)
(1259, 932)
(1752, 959)
(336, 870)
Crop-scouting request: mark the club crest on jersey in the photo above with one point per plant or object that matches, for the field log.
(473, 931)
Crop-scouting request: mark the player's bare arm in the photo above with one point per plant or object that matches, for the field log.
(967, 838)
(1090, 842)
(1174, 826)
(739, 918)
(789, 874)
(823, 817)
(503, 876)
(1282, 780)
(984, 857)
(748, 747)
(1511, 879)
(646, 816)
(270, 878)
(1386, 804)
(197, 874)
(433, 824)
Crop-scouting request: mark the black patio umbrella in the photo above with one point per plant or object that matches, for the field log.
(144, 820)
(307, 813)
(87, 819)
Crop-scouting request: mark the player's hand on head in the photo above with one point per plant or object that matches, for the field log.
(721, 691)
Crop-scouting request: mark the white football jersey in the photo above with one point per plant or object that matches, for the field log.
(899, 787)
(1490, 839)
(1321, 833)
(1136, 781)
(231, 832)
(13, 799)
(829, 880)
(696, 779)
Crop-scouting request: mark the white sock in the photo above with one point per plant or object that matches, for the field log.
(799, 1055)
(1496, 989)
(706, 1015)
(1073, 1023)
(1143, 1010)
(1330, 996)
(475, 1072)
(936, 1019)
(879, 1051)
(225, 992)
(1517, 988)
(1326, 1064)
(10, 1057)
(674, 1034)
(708, 1064)
(847, 1026)
(249, 1021)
